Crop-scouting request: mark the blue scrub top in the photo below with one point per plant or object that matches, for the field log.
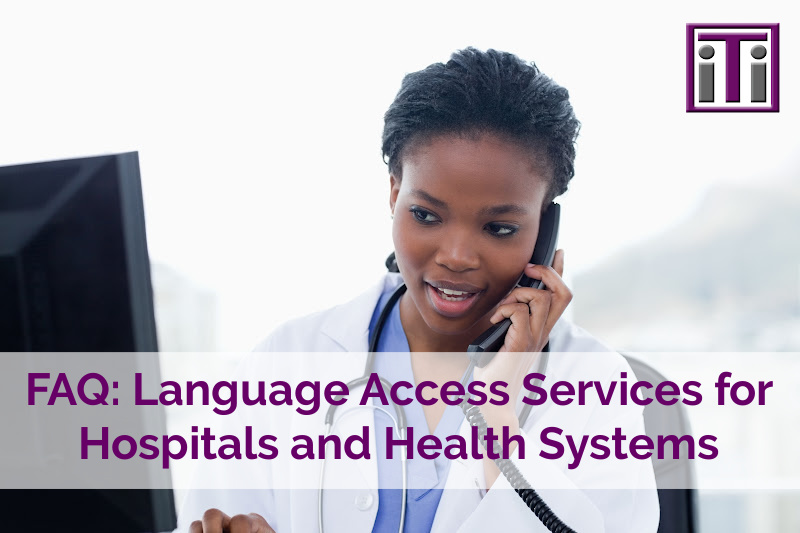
(426, 476)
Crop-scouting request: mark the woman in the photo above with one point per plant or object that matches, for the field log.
(477, 148)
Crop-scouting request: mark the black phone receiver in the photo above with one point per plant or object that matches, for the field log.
(483, 349)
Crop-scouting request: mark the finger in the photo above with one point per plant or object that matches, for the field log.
(508, 310)
(552, 280)
(215, 521)
(560, 294)
(540, 306)
(551, 302)
(508, 300)
(196, 527)
(261, 524)
(241, 523)
(527, 295)
(250, 523)
(558, 262)
(518, 337)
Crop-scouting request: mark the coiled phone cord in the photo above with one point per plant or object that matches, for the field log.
(509, 470)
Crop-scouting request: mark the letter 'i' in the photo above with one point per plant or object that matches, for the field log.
(706, 74)
(758, 75)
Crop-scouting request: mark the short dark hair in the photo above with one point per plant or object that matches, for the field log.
(479, 92)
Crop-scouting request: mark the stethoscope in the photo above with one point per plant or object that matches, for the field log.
(399, 420)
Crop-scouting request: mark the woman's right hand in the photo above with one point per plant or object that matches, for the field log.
(215, 521)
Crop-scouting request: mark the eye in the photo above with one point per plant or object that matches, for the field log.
(423, 216)
(501, 230)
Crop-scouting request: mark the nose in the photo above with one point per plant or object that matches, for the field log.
(457, 252)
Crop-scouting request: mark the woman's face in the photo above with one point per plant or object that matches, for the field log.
(466, 216)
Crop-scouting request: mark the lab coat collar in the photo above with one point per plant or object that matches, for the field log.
(348, 325)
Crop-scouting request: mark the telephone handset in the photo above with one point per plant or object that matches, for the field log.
(483, 349)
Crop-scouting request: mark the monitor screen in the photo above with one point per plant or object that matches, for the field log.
(73, 257)
(75, 277)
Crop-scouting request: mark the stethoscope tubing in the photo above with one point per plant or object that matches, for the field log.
(401, 433)
(399, 421)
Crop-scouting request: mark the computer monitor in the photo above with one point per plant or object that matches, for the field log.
(73, 257)
(75, 277)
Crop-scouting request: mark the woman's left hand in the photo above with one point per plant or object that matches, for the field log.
(533, 313)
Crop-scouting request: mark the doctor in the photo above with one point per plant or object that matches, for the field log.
(476, 149)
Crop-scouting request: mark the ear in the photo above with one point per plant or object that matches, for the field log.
(394, 190)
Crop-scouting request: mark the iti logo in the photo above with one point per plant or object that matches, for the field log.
(732, 67)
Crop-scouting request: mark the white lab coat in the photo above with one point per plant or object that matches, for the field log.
(464, 506)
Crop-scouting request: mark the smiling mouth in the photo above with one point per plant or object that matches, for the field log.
(454, 296)
(451, 303)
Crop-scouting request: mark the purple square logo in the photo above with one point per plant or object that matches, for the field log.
(732, 67)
